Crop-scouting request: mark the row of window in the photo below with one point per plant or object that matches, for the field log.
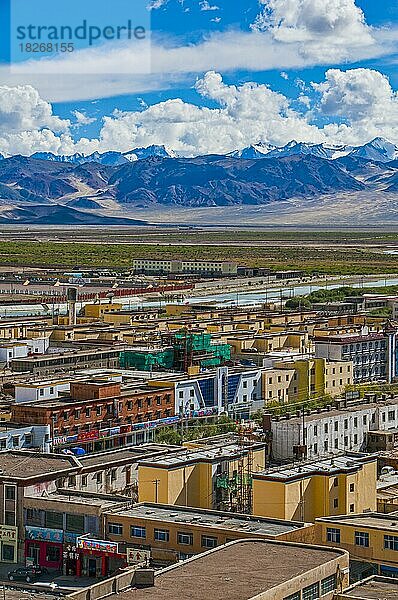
(110, 408)
(361, 538)
(315, 590)
(336, 424)
(15, 441)
(364, 346)
(163, 535)
(336, 444)
(55, 520)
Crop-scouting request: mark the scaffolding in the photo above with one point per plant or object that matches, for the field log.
(147, 361)
(178, 352)
(235, 493)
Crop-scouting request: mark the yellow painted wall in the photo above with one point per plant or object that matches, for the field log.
(312, 497)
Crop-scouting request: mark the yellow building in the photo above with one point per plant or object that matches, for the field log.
(370, 538)
(198, 478)
(97, 310)
(183, 531)
(306, 491)
(297, 379)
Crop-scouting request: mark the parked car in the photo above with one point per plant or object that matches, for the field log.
(28, 574)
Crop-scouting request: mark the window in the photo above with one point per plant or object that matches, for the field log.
(352, 487)
(311, 592)
(315, 430)
(161, 535)
(15, 441)
(28, 439)
(336, 482)
(9, 492)
(84, 481)
(54, 520)
(345, 423)
(391, 415)
(209, 541)
(75, 523)
(72, 481)
(296, 596)
(9, 517)
(336, 425)
(113, 474)
(333, 535)
(326, 428)
(99, 477)
(391, 542)
(185, 538)
(335, 503)
(336, 444)
(7, 553)
(138, 532)
(53, 554)
(115, 528)
(329, 584)
(362, 539)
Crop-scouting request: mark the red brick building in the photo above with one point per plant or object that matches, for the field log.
(95, 409)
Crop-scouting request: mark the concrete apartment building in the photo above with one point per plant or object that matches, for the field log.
(181, 531)
(305, 491)
(249, 570)
(366, 350)
(371, 539)
(97, 411)
(333, 430)
(47, 364)
(184, 267)
(53, 524)
(114, 471)
(200, 477)
(20, 437)
(294, 379)
(25, 473)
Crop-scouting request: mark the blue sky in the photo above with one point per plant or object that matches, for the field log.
(217, 75)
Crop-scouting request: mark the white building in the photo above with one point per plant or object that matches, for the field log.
(22, 348)
(181, 267)
(43, 390)
(25, 438)
(331, 432)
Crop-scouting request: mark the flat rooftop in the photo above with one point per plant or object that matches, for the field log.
(373, 520)
(208, 518)
(126, 454)
(103, 501)
(376, 588)
(14, 593)
(344, 411)
(238, 571)
(24, 465)
(327, 466)
(185, 457)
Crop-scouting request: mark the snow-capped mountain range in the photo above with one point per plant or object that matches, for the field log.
(108, 158)
(377, 150)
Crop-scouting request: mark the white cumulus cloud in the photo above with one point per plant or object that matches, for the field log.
(321, 28)
(356, 105)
